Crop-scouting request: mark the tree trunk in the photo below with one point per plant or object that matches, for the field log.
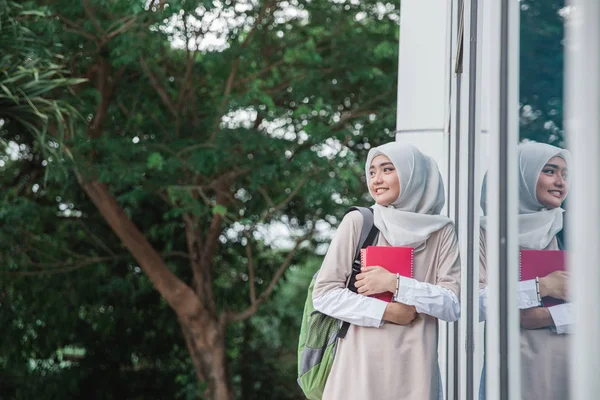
(247, 373)
(206, 344)
(204, 331)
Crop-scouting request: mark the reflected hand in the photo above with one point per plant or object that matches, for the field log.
(375, 280)
(399, 314)
(536, 318)
(555, 285)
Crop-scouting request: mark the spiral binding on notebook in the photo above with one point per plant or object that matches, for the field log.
(412, 263)
(363, 257)
(520, 265)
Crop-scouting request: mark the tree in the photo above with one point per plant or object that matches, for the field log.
(542, 70)
(225, 141)
(31, 75)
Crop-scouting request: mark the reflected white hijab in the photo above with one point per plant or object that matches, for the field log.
(537, 224)
(414, 216)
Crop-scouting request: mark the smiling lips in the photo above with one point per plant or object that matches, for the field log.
(380, 190)
(556, 193)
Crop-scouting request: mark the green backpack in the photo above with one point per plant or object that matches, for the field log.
(319, 332)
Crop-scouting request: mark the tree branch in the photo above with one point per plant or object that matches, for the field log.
(250, 268)
(121, 29)
(106, 89)
(235, 67)
(61, 268)
(266, 196)
(193, 241)
(283, 203)
(75, 28)
(158, 88)
(196, 146)
(253, 308)
(283, 85)
(95, 238)
(269, 67)
(180, 297)
(228, 87)
(228, 177)
(92, 16)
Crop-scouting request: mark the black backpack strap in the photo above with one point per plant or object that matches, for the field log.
(560, 240)
(368, 237)
(560, 236)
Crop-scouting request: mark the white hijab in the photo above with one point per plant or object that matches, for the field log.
(414, 216)
(537, 224)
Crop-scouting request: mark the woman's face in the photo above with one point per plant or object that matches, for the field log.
(552, 185)
(383, 180)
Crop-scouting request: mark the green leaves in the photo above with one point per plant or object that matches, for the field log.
(262, 135)
(156, 161)
(219, 210)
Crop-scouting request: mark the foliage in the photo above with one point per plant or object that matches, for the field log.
(250, 139)
(542, 70)
(30, 75)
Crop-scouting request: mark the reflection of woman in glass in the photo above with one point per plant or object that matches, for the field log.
(543, 187)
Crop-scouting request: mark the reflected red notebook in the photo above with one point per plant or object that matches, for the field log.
(540, 263)
(398, 260)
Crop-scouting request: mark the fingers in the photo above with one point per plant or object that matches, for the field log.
(370, 268)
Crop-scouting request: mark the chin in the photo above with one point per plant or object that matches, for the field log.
(553, 203)
(383, 202)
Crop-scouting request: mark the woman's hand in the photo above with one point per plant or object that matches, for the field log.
(375, 280)
(555, 285)
(399, 314)
(535, 318)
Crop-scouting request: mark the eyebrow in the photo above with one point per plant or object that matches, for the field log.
(553, 166)
(382, 165)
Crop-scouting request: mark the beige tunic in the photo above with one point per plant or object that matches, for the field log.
(392, 362)
(544, 354)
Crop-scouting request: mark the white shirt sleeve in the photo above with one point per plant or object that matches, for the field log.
(351, 307)
(483, 299)
(563, 318)
(429, 299)
(526, 298)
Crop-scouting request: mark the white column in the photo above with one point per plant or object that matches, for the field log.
(469, 136)
(424, 77)
(582, 133)
(424, 80)
(503, 349)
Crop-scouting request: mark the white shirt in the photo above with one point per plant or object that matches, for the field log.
(360, 310)
(562, 314)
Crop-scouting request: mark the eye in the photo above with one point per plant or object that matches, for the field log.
(548, 171)
(388, 169)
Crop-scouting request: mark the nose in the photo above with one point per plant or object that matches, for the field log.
(377, 177)
(560, 181)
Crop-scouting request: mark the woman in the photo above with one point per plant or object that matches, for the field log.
(543, 187)
(387, 353)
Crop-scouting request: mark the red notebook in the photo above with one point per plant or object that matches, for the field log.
(540, 263)
(398, 260)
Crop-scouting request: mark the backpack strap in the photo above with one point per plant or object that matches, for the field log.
(368, 237)
(560, 241)
(560, 236)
